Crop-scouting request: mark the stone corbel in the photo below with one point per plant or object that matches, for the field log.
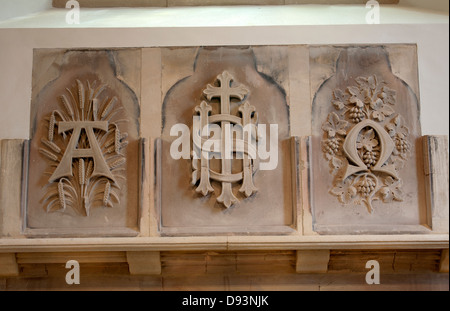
(443, 265)
(8, 265)
(312, 261)
(144, 263)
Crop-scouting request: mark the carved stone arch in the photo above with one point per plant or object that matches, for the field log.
(201, 210)
(84, 143)
(360, 101)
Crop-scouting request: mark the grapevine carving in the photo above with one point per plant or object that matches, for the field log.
(366, 143)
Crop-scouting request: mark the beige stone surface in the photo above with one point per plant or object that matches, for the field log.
(238, 270)
(184, 77)
(8, 265)
(11, 155)
(443, 265)
(314, 261)
(291, 242)
(144, 263)
(93, 187)
(299, 95)
(305, 186)
(436, 171)
(227, 262)
(334, 68)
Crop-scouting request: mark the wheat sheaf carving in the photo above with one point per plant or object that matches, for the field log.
(85, 147)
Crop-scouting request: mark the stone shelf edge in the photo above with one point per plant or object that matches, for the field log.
(230, 243)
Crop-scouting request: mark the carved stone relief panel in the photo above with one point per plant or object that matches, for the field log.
(83, 157)
(367, 169)
(225, 148)
(226, 159)
(203, 151)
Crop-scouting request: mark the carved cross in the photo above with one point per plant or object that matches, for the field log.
(225, 92)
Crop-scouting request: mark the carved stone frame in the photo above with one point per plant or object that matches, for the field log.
(335, 140)
(288, 143)
(83, 139)
(310, 246)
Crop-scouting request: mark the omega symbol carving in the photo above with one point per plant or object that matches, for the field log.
(366, 144)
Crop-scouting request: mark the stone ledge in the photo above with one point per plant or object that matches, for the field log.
(172, 3)
(430, 241)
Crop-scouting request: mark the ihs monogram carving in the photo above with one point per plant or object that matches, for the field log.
(85, 146)
(366, 143)
(206, 147)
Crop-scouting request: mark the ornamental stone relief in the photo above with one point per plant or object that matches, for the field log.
(366, 143)
(366, 174)
(84, 146)
(82, 161)
(225, 148)
(226, 156)
(225, 91)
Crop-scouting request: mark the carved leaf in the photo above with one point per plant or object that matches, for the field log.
(345, 191)
(381, 110)
(67, 105)
(396, 126)
(372, 82)
(391, 128)
(81, 94)
(362, 81)
(398, 194)
(371, 100)
(367, 140)
(354, 91)
(388, 95)
(337, 190)
(335, 125)
(392, 191)
(385, 111)
(335, 164)
(398, 163)
(340, 99)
